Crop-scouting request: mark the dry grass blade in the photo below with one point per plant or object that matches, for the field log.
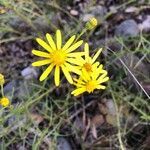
(131, 75)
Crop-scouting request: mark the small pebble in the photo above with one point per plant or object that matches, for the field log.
(132, 9)
(111, 107)
(98, 120)
(29, 73)
(145, 25)
(63, 144)
(74, 12)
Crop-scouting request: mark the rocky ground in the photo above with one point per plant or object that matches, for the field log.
(46, 116)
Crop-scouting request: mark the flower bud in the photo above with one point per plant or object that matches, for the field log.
(91, 24)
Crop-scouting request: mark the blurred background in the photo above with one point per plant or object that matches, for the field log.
(45, 117)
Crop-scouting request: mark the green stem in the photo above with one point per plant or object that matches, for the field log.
(83, 31)
(2, 90)
(118, 122)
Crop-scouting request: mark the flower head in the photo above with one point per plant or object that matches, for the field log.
(4, 102)
(90, 82)
(91, 24)
(88, 63)
(2, 80)
(58, 56)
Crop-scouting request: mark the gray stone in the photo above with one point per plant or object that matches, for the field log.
(18, 89)
(87, 17)
(29, 73)
(10, 88)
(128, 28)
(22, 148)
(111, 107)
(63, 144)
(133, 62)
(42, 23)
(15, 22)
(24, 90)
(145, 25)
(138, 69)
(19, 24)
(96, 11)
(113, 9)
(132, 9)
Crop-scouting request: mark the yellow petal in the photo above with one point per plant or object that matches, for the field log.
(76, 54)
(41, 62)
(102, 80)
(97, 71)
(85, 75)
(86, 49)
(78, 85)
(79, 82)
(67, 74)
(69, 42)
(78, 62)
(74, 69)
(100, 67)
(57, 76)
(58, 39)
(96, 55)
(44, 44)
(101, 87)
(95, 65)
(102, 73)
(78, 91)
(95, 68)
(51, 41)
(74, 46)
(41, 54)
(46, 72)
(89, 60)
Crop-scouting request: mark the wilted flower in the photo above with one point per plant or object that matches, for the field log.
(58, 57)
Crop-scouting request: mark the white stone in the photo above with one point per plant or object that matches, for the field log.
(74, 12)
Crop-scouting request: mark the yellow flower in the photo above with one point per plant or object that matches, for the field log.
(58, 57)
(90, 82)
(2, 80)
(4, 102)
(88, 63)
(91, 24)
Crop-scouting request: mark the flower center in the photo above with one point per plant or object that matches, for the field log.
(88, 67)
(90, 86)
(58, 57)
